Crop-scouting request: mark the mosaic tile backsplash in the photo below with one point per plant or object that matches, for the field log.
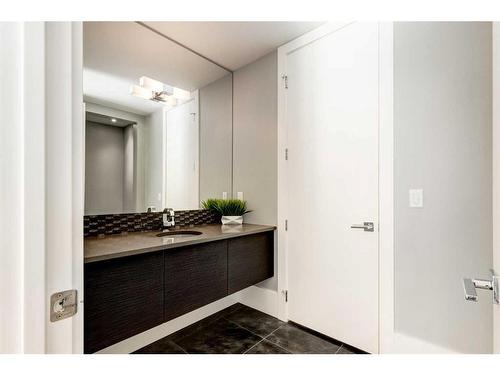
(95, 225)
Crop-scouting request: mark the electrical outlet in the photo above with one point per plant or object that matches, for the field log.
(240, 195)
(224, 195)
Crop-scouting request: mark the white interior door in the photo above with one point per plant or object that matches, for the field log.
(182, 154)
(332, 172)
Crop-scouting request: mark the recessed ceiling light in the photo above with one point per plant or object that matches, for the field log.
(113, 120)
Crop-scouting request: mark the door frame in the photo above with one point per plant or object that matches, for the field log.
(50, 156)
(386, 164)
(64, 139)
(496, 173)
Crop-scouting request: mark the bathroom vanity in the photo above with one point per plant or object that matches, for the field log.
(160, 142)
(136, 281)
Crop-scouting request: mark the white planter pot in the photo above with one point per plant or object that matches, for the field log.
(232, 220)
(231, 228)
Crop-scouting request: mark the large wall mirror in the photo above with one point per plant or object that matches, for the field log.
(158, 120)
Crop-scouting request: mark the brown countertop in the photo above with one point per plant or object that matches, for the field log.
(120, 245)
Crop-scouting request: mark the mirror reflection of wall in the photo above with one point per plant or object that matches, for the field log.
(165, 133)
(110, 160)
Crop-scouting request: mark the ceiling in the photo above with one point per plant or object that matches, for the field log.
(107, 120)
(117, 54)
(233, 44)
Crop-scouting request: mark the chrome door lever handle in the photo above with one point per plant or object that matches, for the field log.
(469, 290)
(366, 226)
(470, 286)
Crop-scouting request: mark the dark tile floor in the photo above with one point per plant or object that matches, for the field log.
(240, 329)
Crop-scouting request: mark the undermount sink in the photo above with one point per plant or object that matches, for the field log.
(179, 233)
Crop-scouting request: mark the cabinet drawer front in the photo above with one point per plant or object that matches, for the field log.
(194, 277)
(250, 260)
(123, 297)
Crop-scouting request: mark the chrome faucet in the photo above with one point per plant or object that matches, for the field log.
(168, 218)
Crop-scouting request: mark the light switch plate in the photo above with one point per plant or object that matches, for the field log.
(240, 195)
(416, 197)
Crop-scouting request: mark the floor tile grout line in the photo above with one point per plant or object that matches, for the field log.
(184, 350)
(253, 346)
(261, 338)
(252, 332)
(264, 338)
(274, 331)
(279, 346)
(246, 329)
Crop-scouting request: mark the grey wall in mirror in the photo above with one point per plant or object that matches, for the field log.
(158, 122)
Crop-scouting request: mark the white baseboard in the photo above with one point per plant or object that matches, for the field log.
(261, 299)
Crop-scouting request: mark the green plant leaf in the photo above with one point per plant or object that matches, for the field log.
(226, 207)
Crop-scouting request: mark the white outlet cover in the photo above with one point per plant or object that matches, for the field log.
(224, 195)
(416, 198)
(240, 195)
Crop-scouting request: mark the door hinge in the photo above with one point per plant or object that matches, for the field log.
(285, 80)
(286, 224)
(285, 294)
(286, 154)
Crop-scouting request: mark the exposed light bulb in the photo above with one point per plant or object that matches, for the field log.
(157, 91)
(113, 120)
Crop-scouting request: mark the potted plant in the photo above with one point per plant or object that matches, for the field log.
(230, 210)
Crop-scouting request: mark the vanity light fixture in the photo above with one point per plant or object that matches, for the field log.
(157, 91)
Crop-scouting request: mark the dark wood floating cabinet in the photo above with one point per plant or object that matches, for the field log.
(129, 295)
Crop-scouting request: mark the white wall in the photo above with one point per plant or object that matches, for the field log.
(255, 142)
(104, 169)
(442, 136)
(11, 189)
(216, 138)
(139, 147)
